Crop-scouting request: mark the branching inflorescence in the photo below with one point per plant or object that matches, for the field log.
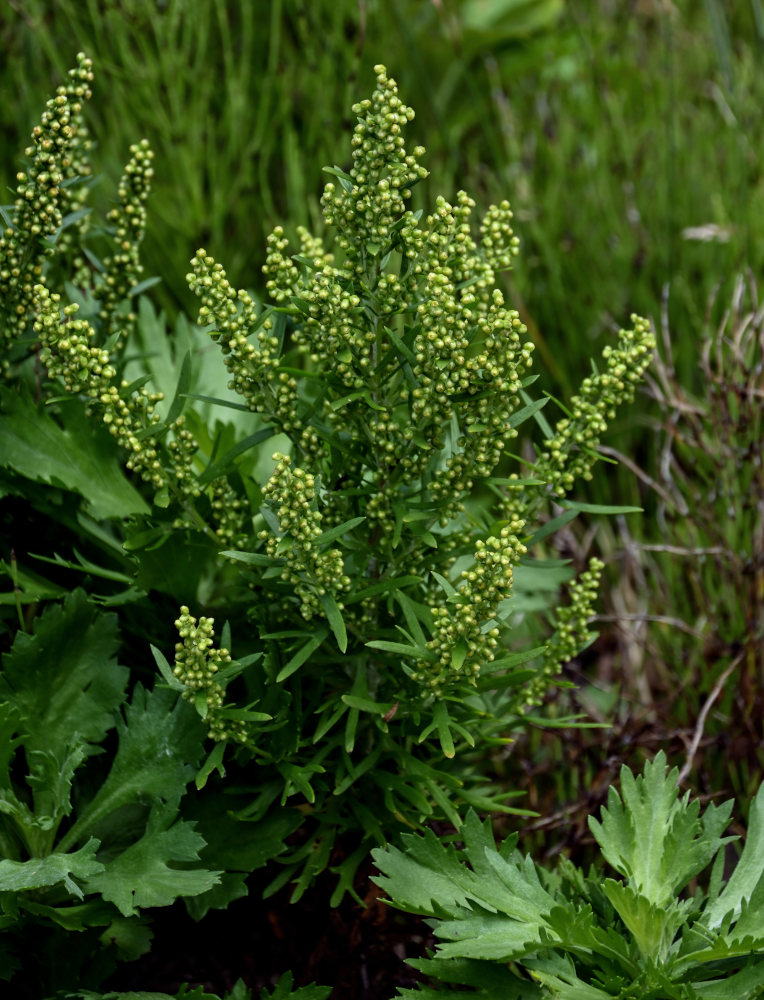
(197, 665)
(382, 555)
(310, 569)
(44, 196)
(415, 371)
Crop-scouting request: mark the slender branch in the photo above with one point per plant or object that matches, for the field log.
(698, 735)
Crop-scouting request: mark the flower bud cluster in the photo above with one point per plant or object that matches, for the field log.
(470, 355)
(253, 367)
(417, 370)
(329, 329)
(460, 641)
(313, 572)
(282, 274)
(197, 664)
(365, 209)
(571, 634)
(500, 245)
(68, 351)
(123, 269)
(570, 454)
(56, 155)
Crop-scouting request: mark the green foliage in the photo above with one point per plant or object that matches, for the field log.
(508, 927)
(91, 840)
(247, 138)
(60, 689)
(529, 100)
(283, 991)
(396, 377)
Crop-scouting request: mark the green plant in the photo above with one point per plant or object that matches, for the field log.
(283, 991)
(396, 377)
(511, 929)
(92, 841)
(411, 386)
(235, 149)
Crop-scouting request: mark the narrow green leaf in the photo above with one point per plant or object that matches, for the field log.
(84, 566)
(520, 416)
(538, 416)
(398, 647)
(337, 532)
(344, 178)
(165, 669)
(553, 525)
(216, 469)
(442, 722)
(598, 508)
(143, 286)
(446, 585)
(219, 402)
(367, 704)
(178, 399)
(334, 617)
(126, 391)
(301, 656)
(458, 654)
(413, 613)
(214, 762)
(381, 588)
(251, 558)
(400, 346)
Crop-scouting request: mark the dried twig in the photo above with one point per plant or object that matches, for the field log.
(698, 735)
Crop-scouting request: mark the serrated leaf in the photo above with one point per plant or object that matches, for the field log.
(747, 984)
(63, 679)
(55, 869)
(286, 991)
(77, 454)
(142, 876)
(749, 870)
(160, 744)
(652, 837)
(50, 778)
(652, 927)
